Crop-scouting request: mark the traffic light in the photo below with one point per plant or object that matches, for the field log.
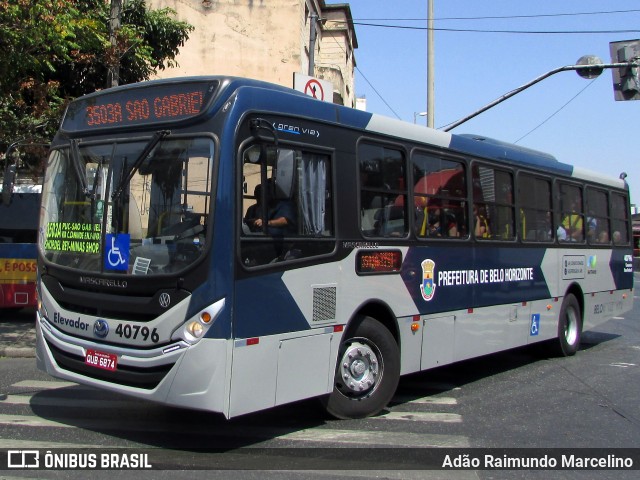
(626, 80)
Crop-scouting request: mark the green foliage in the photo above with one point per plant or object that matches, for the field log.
(55, 50)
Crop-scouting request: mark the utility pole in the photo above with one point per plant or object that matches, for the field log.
(115, 20)
(431, 110)
(313, 20)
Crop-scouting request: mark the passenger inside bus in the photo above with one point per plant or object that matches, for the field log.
(281, 215)
(481, 225)
(573, 225)
(441, 223)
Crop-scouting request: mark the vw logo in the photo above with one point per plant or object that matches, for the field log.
(101, 328)
(165, 300)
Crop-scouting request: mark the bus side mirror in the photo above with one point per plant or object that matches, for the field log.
(7, 184)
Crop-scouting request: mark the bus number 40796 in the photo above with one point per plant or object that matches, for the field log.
(134, 331)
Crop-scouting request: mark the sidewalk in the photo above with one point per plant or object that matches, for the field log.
(18, 334)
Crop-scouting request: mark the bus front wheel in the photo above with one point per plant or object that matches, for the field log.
(569, 326)
(367, 371)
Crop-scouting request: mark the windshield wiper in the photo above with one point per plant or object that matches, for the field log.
(77, 166)
(157, 138)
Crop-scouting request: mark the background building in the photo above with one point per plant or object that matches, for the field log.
(267, 40)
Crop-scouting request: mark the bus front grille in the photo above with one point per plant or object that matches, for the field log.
(146, 378)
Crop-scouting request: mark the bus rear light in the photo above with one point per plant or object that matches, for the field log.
(253, 341)
(338, 328)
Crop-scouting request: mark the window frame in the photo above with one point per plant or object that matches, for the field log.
(420, 222)
(384, 215)
(497, 204)
(521, 210)
(318, 245)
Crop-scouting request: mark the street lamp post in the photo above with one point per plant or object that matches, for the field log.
(418, 114)
(588, 66)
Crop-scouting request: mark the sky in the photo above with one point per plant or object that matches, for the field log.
(576, 120)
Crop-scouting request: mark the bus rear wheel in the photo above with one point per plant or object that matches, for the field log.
(569, 327)
(367, 371)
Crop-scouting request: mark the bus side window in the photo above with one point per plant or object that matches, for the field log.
(439, 193)
(493, 190)
(383, 191)
(534, 198)
(297, 199)
(571, 216)
(619, 219)
(597, 220)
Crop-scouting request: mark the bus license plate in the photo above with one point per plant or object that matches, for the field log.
(105, 361)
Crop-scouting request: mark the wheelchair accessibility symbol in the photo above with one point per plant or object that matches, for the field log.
(535, 324)
(116, 256)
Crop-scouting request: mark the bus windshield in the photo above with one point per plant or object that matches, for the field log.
(127, 207)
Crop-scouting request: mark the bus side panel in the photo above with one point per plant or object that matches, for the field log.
(201, 378)
(279, 369)
(602, 306)
(543, 320)
(253, 375)
(303, 368)
(601, 277)
(438, 341)
(491, 329)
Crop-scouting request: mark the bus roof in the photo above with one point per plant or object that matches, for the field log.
(285, 100)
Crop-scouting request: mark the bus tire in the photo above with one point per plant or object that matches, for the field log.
(569, 327)
(367, 371)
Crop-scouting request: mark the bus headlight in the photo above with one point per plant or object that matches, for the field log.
(195, 329)
(197, 326)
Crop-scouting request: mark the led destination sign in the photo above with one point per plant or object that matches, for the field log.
(138, 106)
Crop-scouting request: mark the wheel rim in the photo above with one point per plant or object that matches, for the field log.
(360, 369)
(571, 326)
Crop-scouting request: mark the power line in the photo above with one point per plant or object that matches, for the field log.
(504, 17)
(368, 82)
(525, 32)
(557, 111)
(378, 93)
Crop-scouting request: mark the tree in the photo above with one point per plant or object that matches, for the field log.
(55, 50)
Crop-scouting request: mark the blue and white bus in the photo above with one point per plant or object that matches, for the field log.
(230, 245)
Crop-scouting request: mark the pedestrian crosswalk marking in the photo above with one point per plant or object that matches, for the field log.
(407, 399)
(422, 417)
(116, 403)
(360, 437)
(319, 435)
(10, 443)
(43, 385)
(44, 401)
(73, 398)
